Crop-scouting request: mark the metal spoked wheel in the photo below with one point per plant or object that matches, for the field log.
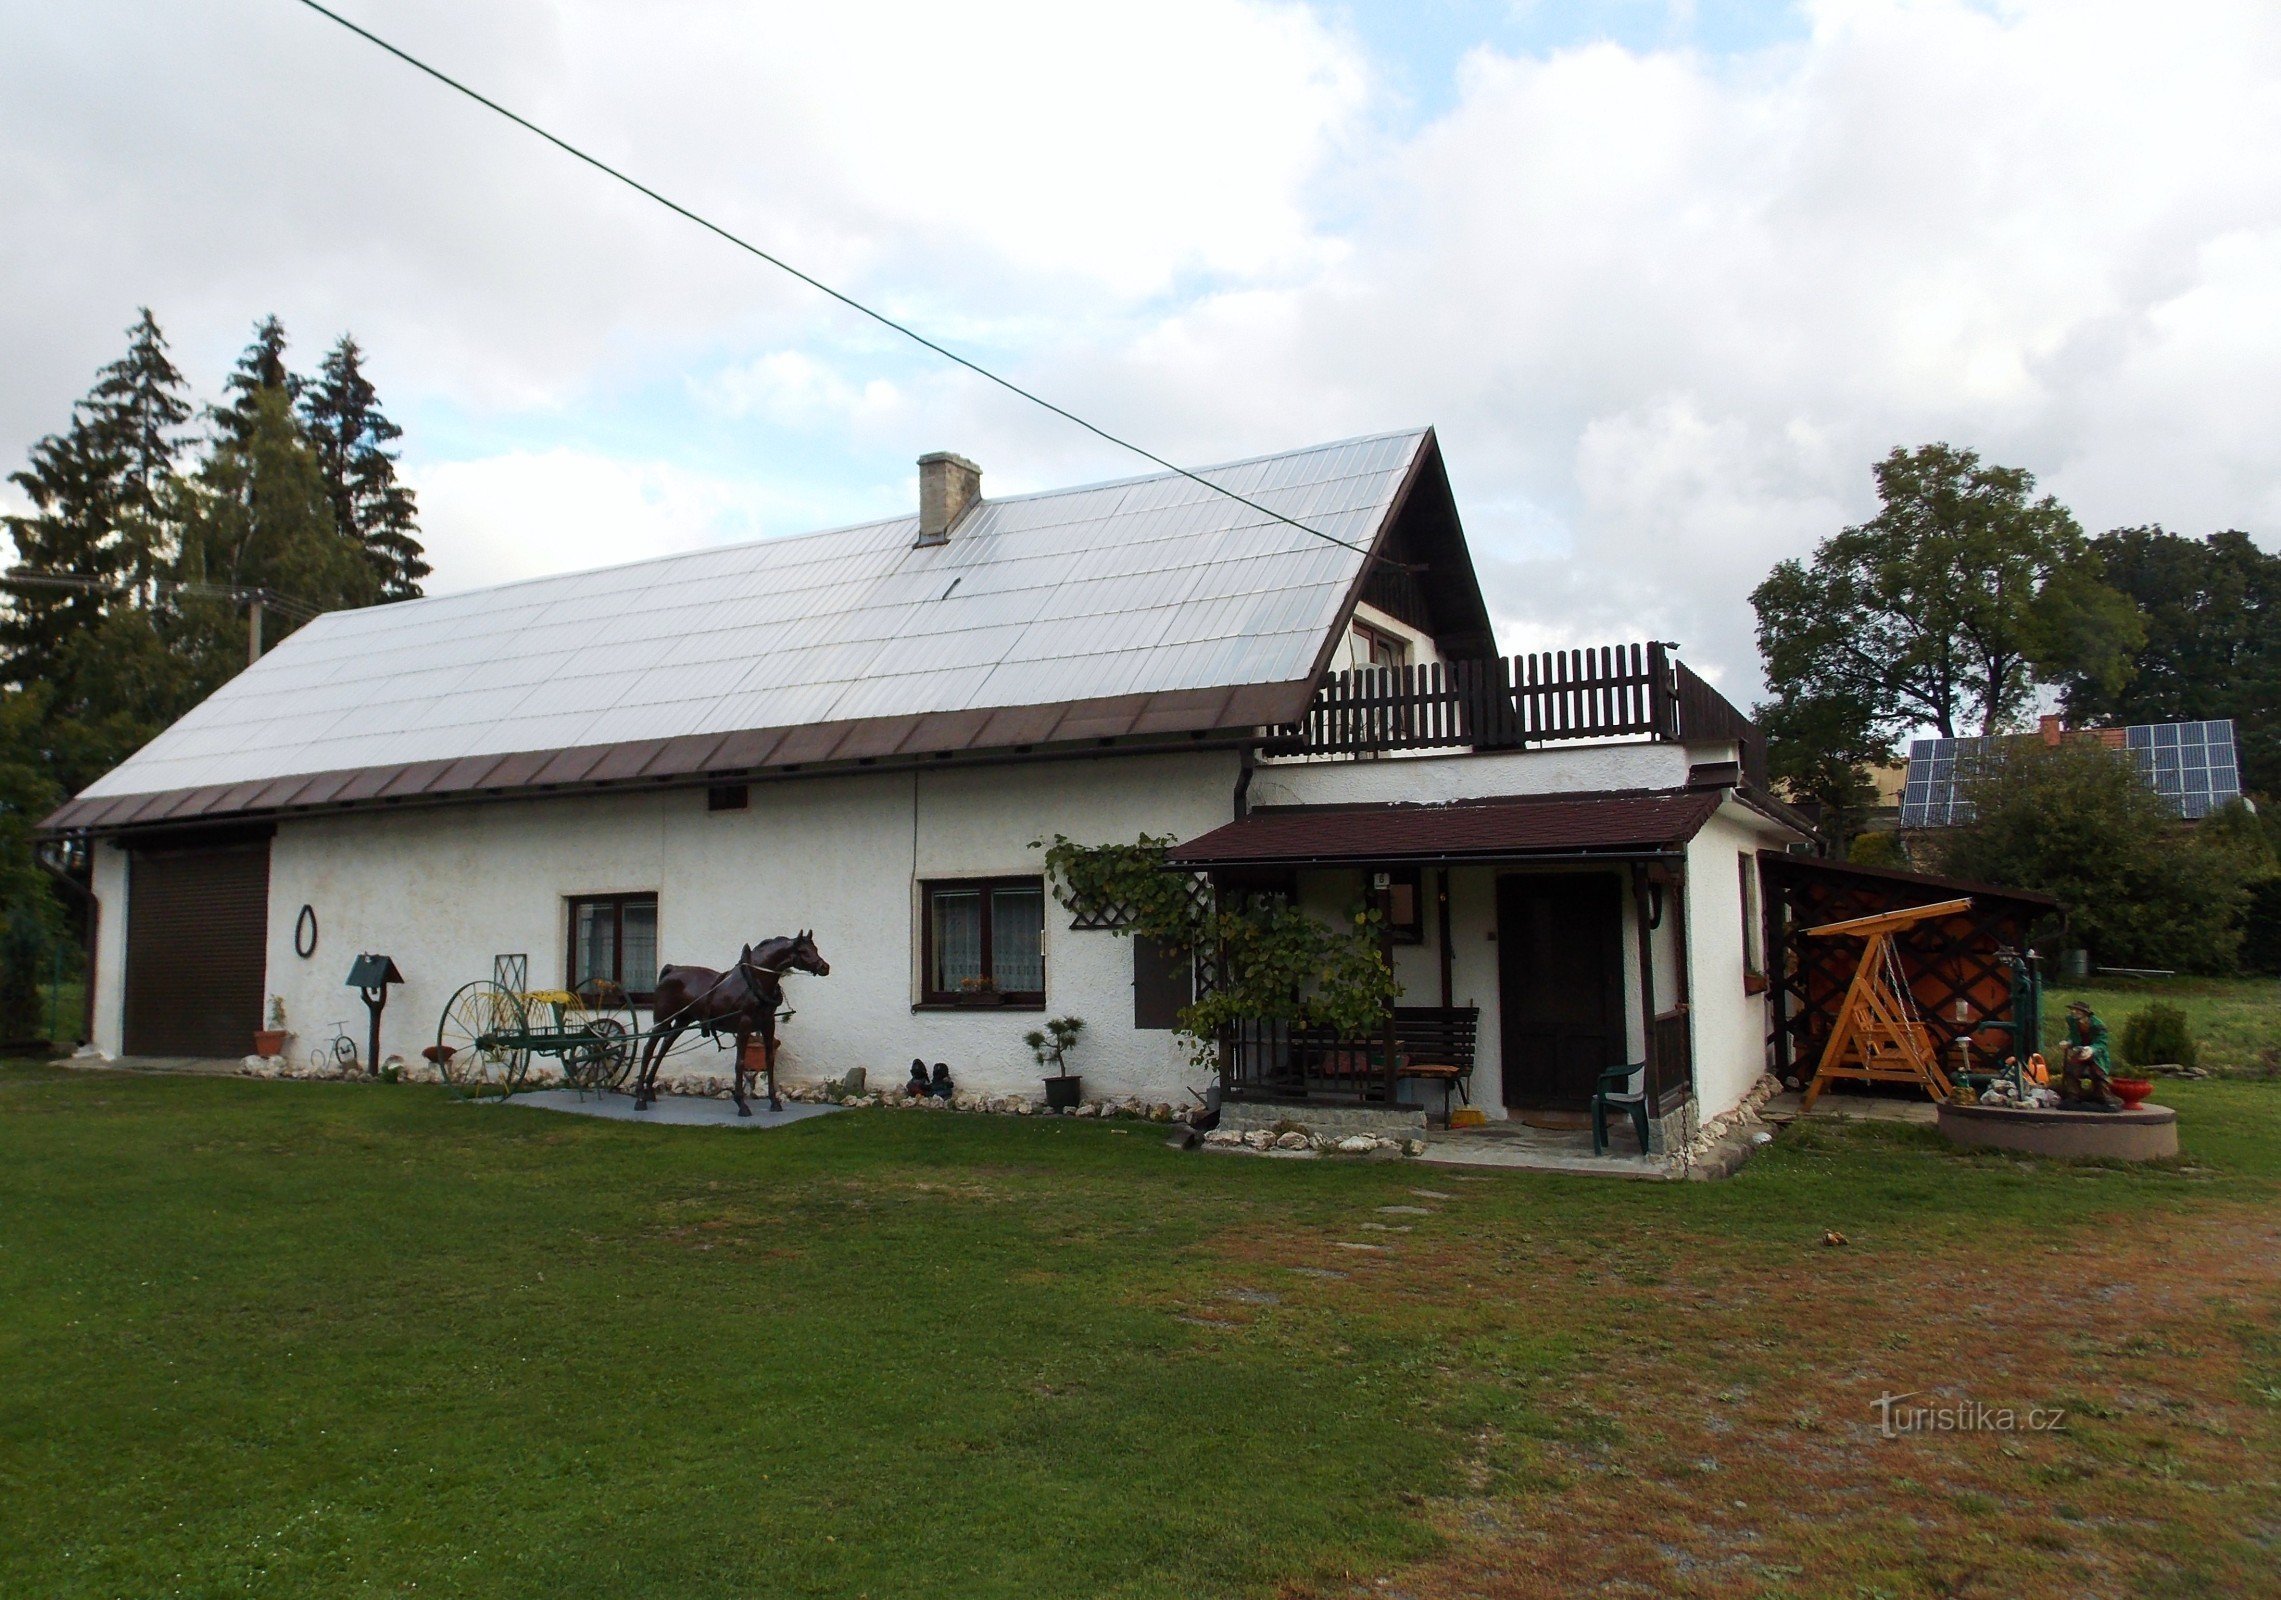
(480, 1047)
(603, 1036)
(344, 1054)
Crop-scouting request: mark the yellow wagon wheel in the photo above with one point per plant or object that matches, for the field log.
(480, 1041)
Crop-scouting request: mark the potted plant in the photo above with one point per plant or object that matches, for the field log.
(1051, 1045)
(270, 1041)
(979, 990)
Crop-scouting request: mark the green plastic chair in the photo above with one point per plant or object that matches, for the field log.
(1621, 1089)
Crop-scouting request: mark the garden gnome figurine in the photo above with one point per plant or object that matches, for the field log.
(2083, 1063)
(917, 1087)
(940, 1088)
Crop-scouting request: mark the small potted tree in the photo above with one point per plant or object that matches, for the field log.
(1051, 1045)
(270, 1041)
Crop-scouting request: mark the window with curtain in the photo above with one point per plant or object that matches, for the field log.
(984, 941)
(613, 937)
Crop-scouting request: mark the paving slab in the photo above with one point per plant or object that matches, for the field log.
(675, 1110)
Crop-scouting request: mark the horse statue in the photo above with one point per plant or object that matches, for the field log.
(742, 1001)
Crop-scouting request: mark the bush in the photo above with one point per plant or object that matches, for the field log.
(2139, 888)
(1878, 850)
(23, 967)
(2156, 1034)
(2261, 928)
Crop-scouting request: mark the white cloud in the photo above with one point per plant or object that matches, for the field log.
(524, 514)
(1665, 306)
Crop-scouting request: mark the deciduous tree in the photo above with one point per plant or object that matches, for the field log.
(2212, 645)
(1946, 608)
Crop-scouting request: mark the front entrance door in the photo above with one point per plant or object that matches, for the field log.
(1561, 985)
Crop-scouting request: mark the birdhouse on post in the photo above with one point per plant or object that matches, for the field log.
(372, 974)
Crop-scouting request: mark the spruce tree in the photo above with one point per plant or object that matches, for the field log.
(260, 369)
(351, 437)
(263, 517)
(139, 408)
(73, 483)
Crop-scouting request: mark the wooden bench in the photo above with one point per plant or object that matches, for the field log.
(1432, 1044)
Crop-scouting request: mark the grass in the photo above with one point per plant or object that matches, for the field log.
(281, 1339)
(2236, 1021)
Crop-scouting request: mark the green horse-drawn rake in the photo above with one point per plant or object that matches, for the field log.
(492, 1028)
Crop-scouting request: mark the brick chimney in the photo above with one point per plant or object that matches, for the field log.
(948, 484)
(2049, 727)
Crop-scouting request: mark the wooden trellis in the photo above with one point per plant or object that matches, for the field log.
(1955, 967)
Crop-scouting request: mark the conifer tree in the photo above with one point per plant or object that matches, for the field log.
(351, 437)
(261, 368)
(262, 517)
(139, 408)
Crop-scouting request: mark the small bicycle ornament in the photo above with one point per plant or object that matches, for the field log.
(340, 1055)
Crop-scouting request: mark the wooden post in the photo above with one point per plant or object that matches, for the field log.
(1646, 948)
(1382, 886)
(1441, 932)
(253, 629)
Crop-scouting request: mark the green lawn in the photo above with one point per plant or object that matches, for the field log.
(2236, 1021)
(300, 1339)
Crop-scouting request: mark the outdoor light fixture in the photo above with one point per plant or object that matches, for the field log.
(373, 974)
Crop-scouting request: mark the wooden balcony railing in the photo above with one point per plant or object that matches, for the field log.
(1619, 691)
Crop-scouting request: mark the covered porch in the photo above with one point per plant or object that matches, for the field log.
(1539, 940)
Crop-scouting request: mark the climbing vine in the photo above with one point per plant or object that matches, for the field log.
(1275, 962)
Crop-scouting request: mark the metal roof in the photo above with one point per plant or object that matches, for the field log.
(1611, 822)
(1151, 592)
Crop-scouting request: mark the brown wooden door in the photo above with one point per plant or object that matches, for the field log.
(1561, 985)
(197, 950)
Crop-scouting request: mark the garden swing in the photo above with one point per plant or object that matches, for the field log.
(1880, 1036)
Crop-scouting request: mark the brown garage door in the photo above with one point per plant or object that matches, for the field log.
(197, 949)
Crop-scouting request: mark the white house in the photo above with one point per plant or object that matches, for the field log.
(865, 731)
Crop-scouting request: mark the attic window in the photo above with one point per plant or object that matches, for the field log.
(1378, 648)
(727, 797)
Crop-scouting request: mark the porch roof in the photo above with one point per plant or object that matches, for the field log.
(1612, 823)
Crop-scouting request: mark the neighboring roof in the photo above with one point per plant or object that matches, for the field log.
(1615, 822)
(2191, 765)
(1151, 606)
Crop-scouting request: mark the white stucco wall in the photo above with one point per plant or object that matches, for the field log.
(1730, 1023)
(110, 885)
(444, 890)
(1434, 779)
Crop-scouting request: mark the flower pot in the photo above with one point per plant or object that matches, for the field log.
(269, 1041)
(1062, 1093)
(981, 997)
(2131, 1090)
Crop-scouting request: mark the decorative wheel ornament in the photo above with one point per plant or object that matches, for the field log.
(482, 1041)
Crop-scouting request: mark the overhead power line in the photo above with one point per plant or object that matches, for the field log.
(817, 284)
(30, 579)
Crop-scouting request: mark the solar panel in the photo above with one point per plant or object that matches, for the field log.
(2191, 765)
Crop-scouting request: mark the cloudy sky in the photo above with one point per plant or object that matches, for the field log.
(1668, 277)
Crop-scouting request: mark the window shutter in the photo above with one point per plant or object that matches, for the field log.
(1163, 982)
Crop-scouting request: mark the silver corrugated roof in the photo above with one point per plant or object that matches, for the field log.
(1149, 585)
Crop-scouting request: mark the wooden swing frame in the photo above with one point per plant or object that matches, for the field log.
(1879, 1035)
